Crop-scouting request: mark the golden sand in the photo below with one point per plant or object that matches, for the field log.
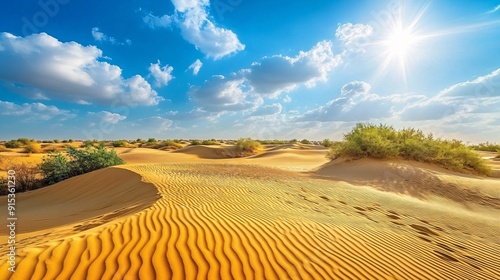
(283, 214)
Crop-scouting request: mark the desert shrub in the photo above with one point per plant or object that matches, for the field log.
(56, 141)
(168, 144)
(210, 142)
(273, 142)
(24, 141)
(305, 141)
(57, 167)
(70, 140)
(33, 147)
(195, 142)
(327, 143)
(12, 144)
(293, 141)
(487, 147)
(27, 176)
(89, 143)
(120, 143)
(152, 141)
(247, 145)
(367, 140)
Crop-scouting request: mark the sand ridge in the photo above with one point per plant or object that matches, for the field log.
(237, 219)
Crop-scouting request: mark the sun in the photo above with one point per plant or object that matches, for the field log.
(400, 43)
(398, 47)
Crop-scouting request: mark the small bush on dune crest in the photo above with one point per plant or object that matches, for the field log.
(273, 142)
(57, 167)
(33, 147)
(120, 143)
(12, 144)
(166, 144)
(195, 142)
(247, 146)
(384, 142)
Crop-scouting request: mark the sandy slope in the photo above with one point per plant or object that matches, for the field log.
(242, 218)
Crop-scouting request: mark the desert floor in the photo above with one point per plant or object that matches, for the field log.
(287, 213)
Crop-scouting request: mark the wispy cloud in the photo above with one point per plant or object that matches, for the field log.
(101, 37)
(494, 10)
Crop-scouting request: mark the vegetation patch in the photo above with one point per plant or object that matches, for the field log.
(58, 166)
(247, 146)
(487, 147)
(385, 142)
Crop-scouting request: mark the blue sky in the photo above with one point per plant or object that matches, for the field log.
(239, 68)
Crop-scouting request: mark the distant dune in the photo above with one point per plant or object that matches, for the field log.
(286, 213)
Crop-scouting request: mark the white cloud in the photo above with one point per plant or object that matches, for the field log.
(479, 96)
(40, 66)
(106, 117)
(267, 110)
(34, 111)
(98, 36)
(355, 88)
(101, 37)
(484, 86)
(352, 34)
(154, 21)
(162, 75)
(287, 99)
(274, 75)
(193, 19)
(223, 94)
(357, 103)
(196, 66)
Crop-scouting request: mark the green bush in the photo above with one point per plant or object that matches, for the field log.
(487, 147)
(57, 167)
(210, 142)
(327, 143)
(195, 142)
(383, 142)
(90, 143)
(273, 142)
(293, 141)
(168, 143)
(120, 143)
(12, 144)
(25, 141)
(152, 141)
(247, 145)
(305, 141)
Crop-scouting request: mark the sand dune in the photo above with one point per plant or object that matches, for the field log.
(209, 152)
(233, 219)
(419, 180)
